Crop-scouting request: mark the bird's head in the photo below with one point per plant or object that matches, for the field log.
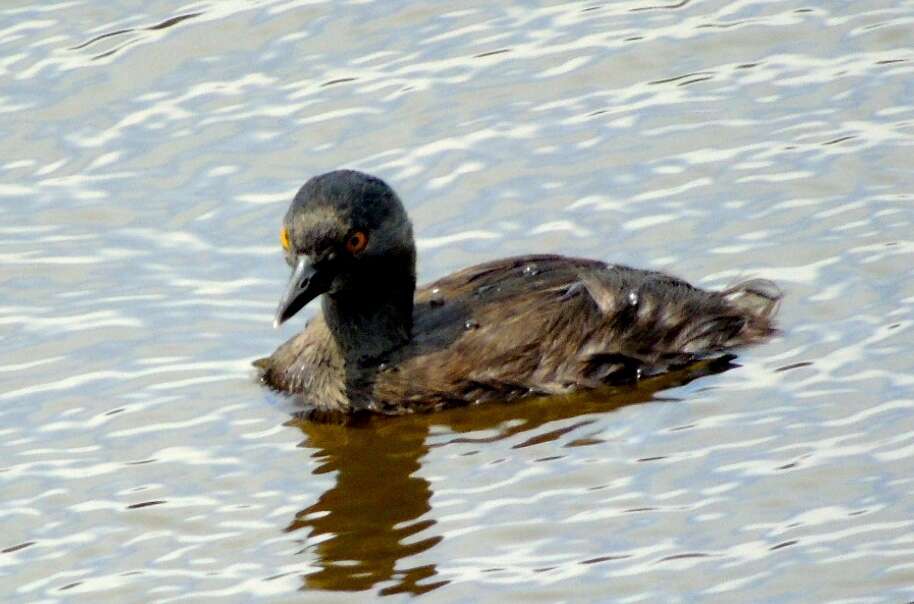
(345, 234)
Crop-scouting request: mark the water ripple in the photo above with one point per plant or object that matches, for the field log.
(150, 151)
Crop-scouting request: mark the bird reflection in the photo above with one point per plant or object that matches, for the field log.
(377, 514)
(373, 516)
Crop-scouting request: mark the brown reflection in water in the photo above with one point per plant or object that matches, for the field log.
(376, 514)
(368, 518)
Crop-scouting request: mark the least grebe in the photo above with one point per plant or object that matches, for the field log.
(502, 330)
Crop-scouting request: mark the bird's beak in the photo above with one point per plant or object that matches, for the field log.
(307, 282)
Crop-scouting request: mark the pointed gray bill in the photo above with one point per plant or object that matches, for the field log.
(307, 282)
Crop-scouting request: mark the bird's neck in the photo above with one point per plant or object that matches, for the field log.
(371, 321)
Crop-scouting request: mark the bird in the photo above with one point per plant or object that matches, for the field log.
(532, 325)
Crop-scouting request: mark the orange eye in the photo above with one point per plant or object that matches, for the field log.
(284, 238)
(356, 242)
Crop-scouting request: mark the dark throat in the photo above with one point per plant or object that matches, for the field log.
(373, 316)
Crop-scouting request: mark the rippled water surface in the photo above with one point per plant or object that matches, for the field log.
(148, 151)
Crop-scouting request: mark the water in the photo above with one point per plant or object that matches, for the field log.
(149, 151)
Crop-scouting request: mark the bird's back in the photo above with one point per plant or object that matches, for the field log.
(550, 324)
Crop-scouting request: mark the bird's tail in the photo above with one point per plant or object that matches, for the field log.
(758, 301)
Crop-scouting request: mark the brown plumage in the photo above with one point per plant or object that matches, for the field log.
(502, 330)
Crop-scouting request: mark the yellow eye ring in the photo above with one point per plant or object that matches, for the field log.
(284, 238)
(356, 242)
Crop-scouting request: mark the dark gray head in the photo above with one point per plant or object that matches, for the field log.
(346, 235)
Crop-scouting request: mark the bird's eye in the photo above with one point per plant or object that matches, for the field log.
(284, 238)
(356, 242)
